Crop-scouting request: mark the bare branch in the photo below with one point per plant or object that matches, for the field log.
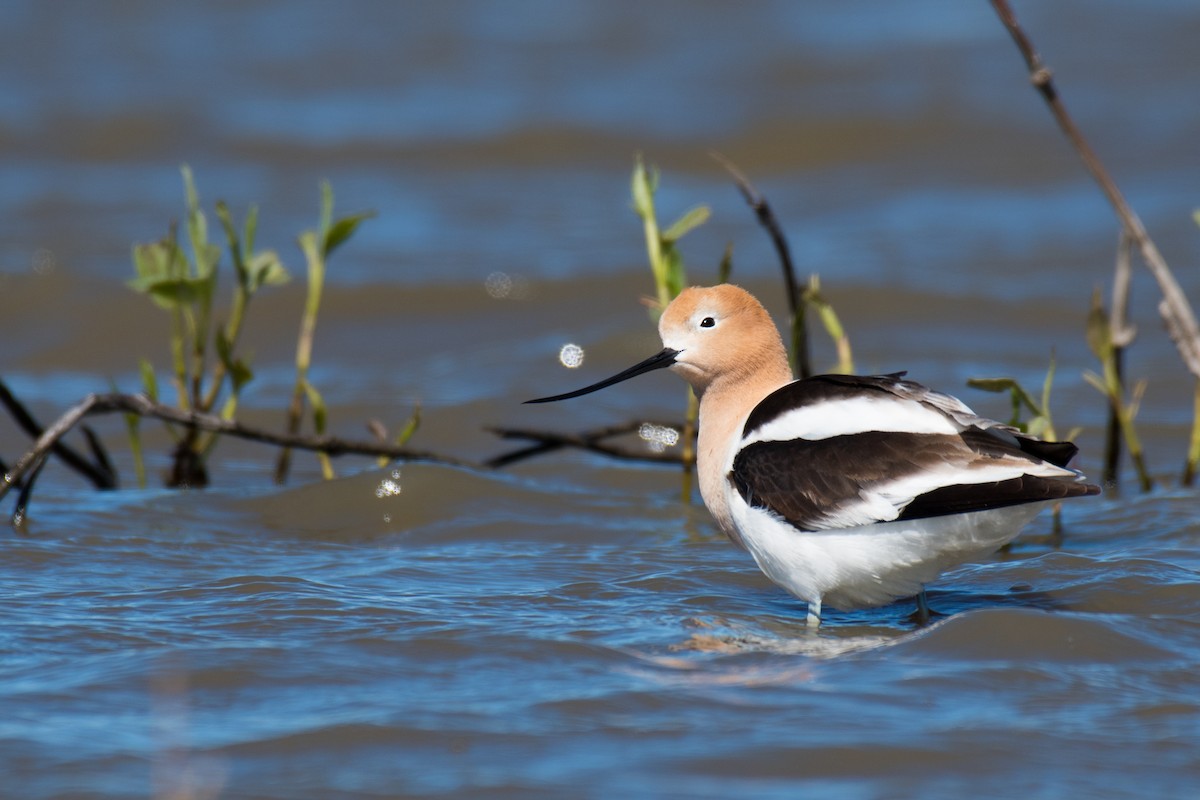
(767, 219)
(1121, 334)
(1175, 309)
(592, 441)
(142, 405)
(100, 474)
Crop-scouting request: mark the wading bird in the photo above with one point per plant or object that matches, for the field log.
(849, 491)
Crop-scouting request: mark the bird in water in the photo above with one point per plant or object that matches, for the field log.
(848, 491)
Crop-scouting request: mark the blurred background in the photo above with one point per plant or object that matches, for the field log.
(903, 150)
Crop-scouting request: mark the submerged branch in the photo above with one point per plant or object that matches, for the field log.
(592, 441)
(143, 406)
(100, 473)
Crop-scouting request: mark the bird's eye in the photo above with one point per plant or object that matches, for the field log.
(707, 322)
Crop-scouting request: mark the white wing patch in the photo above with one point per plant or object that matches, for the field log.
(885, 501)
(853, 415)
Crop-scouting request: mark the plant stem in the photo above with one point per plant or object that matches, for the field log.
(1193, 458)
(798, 350)
(308, 327)
(688, 437)
(1121, 334)
(1174, 308)
(643, 187)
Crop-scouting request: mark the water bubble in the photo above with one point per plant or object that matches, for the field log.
(43, 261)
(658, 437)
(571, 356)
(388, 487)
(498, 285)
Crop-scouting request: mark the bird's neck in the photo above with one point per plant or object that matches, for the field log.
(724, 407)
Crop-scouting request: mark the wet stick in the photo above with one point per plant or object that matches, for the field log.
(1174, 307)
(799, 299)
(1109, 383)
(143, 406)
(798, 346)
(1121, 335)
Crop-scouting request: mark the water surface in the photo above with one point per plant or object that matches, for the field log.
(567, 627)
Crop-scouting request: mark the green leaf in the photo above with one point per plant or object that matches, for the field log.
(1011, 385)
(674, 276)
(224, 347)
(1099, 334)
(831, 322)
(189, 189)
(197, 225)
(1047, 385)
(227, 223)
(239, 374)
(157, 260)
(239, 371)
(726, 266)
(235, 247)
(149, 380)
(996, 385)
(693, 218)
(266, 269)
(207, 258)
(1019, 397)
(1096, 381)
(251, 229)
(316, 263)
(171, 293)
(325, 220)
(643, 186)
(343, 229)
(319, 409)
(410, 427)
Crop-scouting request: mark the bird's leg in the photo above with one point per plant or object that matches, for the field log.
(922, 614)
(814, 613)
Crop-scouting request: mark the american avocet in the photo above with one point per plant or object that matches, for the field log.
(848, 491)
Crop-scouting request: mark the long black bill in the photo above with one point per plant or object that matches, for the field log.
(663, 358)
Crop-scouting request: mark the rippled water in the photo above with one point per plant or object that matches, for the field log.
(568, 627)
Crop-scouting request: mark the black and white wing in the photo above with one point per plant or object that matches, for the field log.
(842, 451)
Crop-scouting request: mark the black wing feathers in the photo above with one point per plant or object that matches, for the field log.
(961, 498)
(804, 481)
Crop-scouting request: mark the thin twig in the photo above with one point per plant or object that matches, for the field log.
(21, 510)
(592, 441)
(101, 474)
(1174, 308)
(143, 406)
(1122, 334)
(45, 443)
(766, 218)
